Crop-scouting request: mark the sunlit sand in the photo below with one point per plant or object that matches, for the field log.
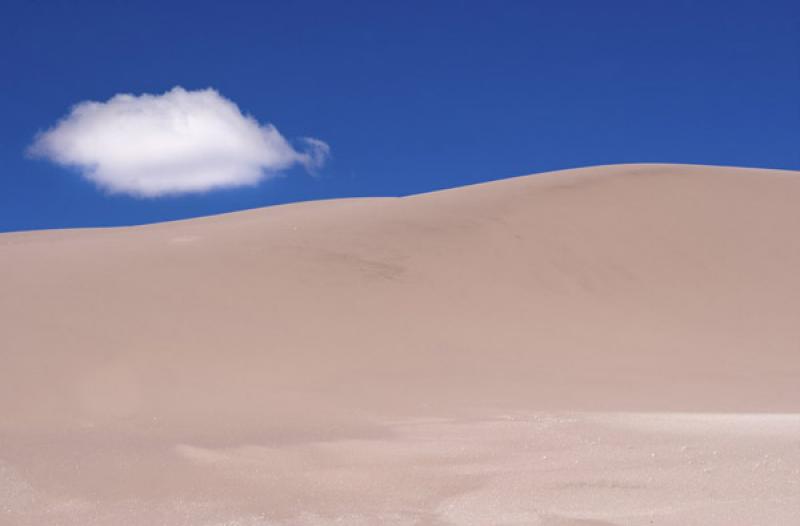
(613, 345)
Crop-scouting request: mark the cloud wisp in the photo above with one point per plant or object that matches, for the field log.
(176, 143)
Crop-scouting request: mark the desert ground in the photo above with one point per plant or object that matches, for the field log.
(615, 345)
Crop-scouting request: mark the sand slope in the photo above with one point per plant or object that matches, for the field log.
(609, 345)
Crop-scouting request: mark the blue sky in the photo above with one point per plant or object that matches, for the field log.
(410, 96)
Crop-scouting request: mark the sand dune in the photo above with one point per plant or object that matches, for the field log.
(608, 345)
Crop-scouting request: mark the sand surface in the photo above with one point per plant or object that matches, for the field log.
(603, 346)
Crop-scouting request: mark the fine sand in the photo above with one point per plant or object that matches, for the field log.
(603, 346)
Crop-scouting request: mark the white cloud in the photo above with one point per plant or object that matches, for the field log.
(176, 143)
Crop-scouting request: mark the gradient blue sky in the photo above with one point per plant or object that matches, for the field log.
(411, 96)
